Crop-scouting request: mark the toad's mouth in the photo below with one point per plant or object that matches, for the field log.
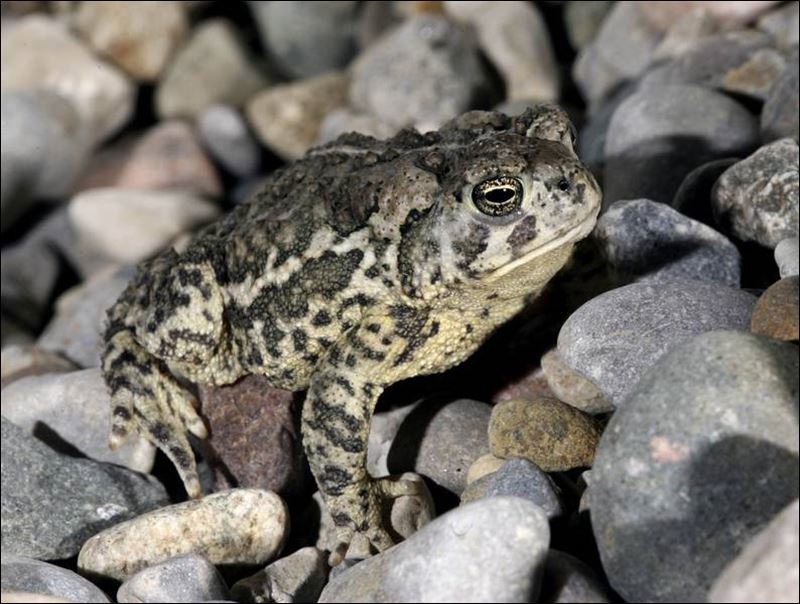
(573, 234)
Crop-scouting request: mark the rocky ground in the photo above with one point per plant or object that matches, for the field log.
(633, 437)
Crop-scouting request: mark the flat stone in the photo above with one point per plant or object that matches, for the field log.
(644, 240)
(20, 574)
(767, 568)
(702, 455)
(776, 312)
(212, 67)
(19, 361)
(239, 526)
(779, 116)
(423, 73)
(288, 117)
(786, 257)
(298, 577)
(138, 37)
(41, 53)
(71, 412)
(491, 550)
(52, 503)
(440, 440)
(756, 199)
(568, 580)
(225, 134)
(660, 133)
(615, 338)
(187, 578)
(572, 388)
(551, 434)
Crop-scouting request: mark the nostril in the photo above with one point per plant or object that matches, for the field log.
(564, 184)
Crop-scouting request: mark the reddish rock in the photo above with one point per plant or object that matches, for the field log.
(776, 312)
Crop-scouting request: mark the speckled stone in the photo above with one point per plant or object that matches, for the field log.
(240, 526)
(52, 503)
(573, 388)
(188, 578)
(648, 241)
(616, 337)
(787, 257)
(756, 199)
(768, 569)
(17, 362)
(568, 580)
(776, 312)
(701, 456)
(491, 550)
(298, 577)
(552, 434)
(20, 574)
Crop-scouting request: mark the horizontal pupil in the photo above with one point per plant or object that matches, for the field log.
(499, 195)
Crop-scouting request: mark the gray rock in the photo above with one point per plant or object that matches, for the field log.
(225, 134)
(786, 257)
(685, 34)
(592, 136)
(573, 388)
(20, 574)
(52, 503)
(234, 527)
(693, 197)
(568, 580)
(305, 39)
(701, 456)
(620, 51)
(616, 337)
(783, 24)
(343, 120)
(71, 412)
(440, 440)
(491, 550)
(757, 198)
(768, 569)
(382, 430)
(779, 116)
(514, 37)
(648, 241)
(212, 67)
(189, 578)
(583, 20)
(659, 134)
(101, 94)
(17, 362)
(76, 330)
(298, 577)
(421, 74)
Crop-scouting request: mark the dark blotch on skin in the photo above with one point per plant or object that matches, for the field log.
(523, 233)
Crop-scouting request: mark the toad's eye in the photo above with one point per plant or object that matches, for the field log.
(564, 184)
(498, 196)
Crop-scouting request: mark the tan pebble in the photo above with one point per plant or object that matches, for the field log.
(573, 388)
(483, 466)
(776, 312)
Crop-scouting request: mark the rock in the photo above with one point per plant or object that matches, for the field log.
(514, 37)
(306, 39)
(287, 118)
(786, 257)
(44, 148)
(17, 362)
(527, 386)
(166, 157)
(592, 136)
(572, 388)
(620, 51)
(147, 221)
(225, 134)
(757, 198)
(344, 120)
(616, 337)
(483, 466)
(382, 430)
(39, 53)
(647, 241)
(71, 413)
(20, 574)
(776, 312)
(188, 578)
(767, 568)
(420, 74)
(520, 478)
(664, 14)
(701, 456)
(693, 197)
(440, 440)
(76, 330)
(13, 334)
(659, 134)
(783, 24)
(779, 116)
(212, 67)
(240, 526)
(52, 503)
(139, 37)
(254, 437)
(491, 550)
(299, 577)
(684, 35)
(553, 435)
(583, 20)
(567, 579)
(24, 597)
